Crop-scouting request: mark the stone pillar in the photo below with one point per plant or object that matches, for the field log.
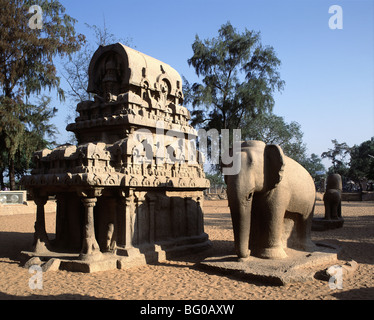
(140, 220)
(200, 215)
(41, 241)
(90, 247)
(121, 220)
(129, 221)
(128, 229)
(152, 202)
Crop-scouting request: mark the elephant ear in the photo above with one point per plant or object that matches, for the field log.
(274, 165)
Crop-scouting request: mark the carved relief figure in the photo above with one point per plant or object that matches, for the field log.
(110, 81)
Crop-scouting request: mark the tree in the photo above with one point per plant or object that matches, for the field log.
(239, 78)
(316, 169)
(362, 161)
(3, 165)
(75, 71)
(11, 132)
(24, 134)
(39, 132)
(338, 155)
(27, 67)
(215, 179)
(272, 129)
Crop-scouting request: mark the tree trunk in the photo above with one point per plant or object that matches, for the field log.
(12, 179)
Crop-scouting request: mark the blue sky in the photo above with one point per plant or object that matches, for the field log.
(329, 74)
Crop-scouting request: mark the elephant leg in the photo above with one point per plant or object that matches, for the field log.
(327, 209)
(340, 209)
(304, 232)
(334, 211)
(273, 221)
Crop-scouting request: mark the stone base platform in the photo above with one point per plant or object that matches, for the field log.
(299, 266)
(322, 224)
(122, 259)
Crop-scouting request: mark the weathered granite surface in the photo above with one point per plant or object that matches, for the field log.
(135, 179)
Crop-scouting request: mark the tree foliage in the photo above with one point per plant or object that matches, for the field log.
(26, 69)
(362, 161)
(352, 163)
(75, 71)
(239, 77)
(215, 179)
(338, 156)
(27, 54)
(315, 167)
(272, 129)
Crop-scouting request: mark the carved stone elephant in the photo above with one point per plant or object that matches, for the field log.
(269, 189)
(333, 197)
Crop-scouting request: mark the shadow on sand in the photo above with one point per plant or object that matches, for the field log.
(67, 296)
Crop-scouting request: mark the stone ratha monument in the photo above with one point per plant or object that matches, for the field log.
(131, 191)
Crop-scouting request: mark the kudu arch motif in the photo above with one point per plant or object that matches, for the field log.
(123, 196)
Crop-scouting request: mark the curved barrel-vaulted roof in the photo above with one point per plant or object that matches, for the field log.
(135, 69)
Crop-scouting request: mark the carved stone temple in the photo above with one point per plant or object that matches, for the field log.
(131, 191)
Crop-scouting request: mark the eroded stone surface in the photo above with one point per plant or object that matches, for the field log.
(135, 178)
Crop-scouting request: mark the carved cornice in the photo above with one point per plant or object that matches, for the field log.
(133, 91)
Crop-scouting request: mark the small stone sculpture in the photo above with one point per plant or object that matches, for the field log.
(332, 198)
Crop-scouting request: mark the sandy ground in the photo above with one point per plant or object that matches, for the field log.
(181, 279)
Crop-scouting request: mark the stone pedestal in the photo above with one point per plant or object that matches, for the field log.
(299, 266)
